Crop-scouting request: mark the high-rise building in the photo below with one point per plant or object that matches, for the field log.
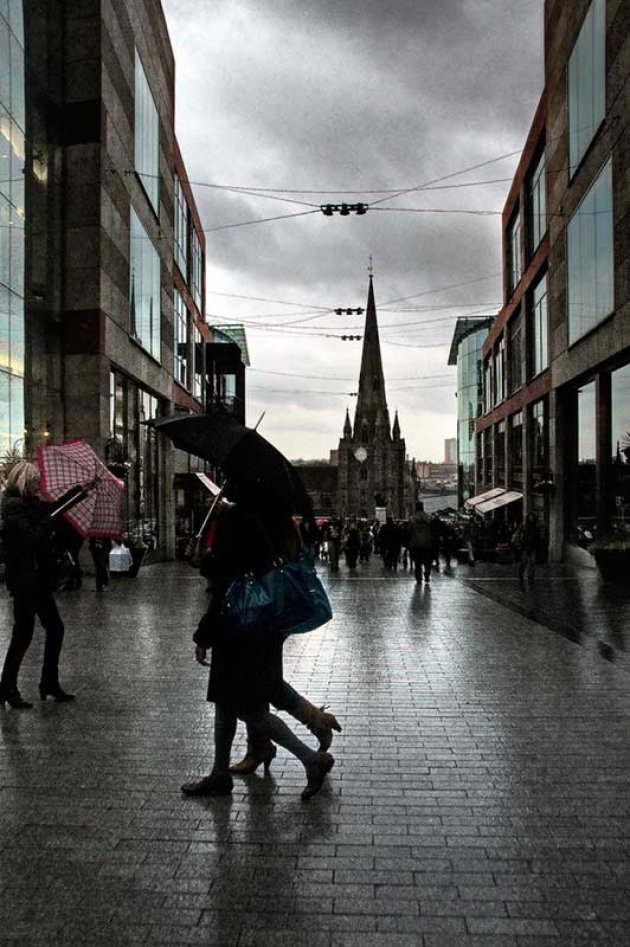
(102, 252)
(450, 450)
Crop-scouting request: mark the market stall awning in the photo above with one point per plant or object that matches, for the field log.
(502, 499)
(483, 497)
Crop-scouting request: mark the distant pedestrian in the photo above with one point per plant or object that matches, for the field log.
(352, 544)
(390, 542)
(530, 542)
(422, 543)
(100, 549)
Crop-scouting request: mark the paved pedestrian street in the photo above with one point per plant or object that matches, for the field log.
(481, 792)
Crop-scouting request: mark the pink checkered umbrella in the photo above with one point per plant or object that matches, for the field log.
(63, 466)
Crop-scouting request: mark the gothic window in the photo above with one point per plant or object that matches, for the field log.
(363, 473)
(375, 383)
(364, 433)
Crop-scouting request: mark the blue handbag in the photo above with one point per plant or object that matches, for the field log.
(288, 599)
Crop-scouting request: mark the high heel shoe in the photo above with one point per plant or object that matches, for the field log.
(256, 754)
(316, 774)
(61, 696)
(320, 723)
(13, 699)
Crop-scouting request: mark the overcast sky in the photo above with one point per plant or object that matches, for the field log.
(328, 100)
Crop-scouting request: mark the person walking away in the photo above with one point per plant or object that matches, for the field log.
(530, 545)
(245, 672)
(27, 527)
(366, 539)
(333, 540)
(352, 545)
(389, 541)
(422, 544)
(100, 549)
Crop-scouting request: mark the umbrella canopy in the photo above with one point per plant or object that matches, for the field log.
(63, 466)
(256, 471)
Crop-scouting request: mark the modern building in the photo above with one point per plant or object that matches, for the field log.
(556, 424)
(587, 46)
(468, 338)
(102, 253)
(450, 450)
(512, 434)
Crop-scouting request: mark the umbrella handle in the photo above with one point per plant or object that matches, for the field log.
(209, 514)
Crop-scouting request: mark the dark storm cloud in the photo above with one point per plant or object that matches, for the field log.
(357, 95)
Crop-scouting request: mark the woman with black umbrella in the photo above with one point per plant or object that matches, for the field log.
(245, 674)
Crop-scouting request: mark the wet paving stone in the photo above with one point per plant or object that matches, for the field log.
(481, 794)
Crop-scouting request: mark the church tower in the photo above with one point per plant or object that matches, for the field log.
(373, 470)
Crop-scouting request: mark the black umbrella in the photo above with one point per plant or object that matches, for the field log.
(257, 473)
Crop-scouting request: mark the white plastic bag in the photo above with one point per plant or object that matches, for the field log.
(119, 558)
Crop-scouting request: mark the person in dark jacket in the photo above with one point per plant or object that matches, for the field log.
(100, 549)
(422, 543)
(245, 673)
(27, 527)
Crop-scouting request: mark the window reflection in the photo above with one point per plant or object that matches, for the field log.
(586, 455)
(620, 416)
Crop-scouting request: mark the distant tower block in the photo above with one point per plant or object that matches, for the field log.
(450, 450)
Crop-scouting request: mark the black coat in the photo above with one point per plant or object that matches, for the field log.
(243, 673)
(27, 537)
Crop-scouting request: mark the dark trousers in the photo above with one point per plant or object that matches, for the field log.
(26, 607)
(422, 562)
(100, 557)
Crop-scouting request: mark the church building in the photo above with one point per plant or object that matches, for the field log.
(369, 471)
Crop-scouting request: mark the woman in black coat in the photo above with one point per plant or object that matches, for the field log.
(245, 674)
(27, 527)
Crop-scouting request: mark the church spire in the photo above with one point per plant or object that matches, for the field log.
(396, 428)
(347, 428)
(371, 400)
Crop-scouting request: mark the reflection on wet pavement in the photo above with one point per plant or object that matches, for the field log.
(481, 793)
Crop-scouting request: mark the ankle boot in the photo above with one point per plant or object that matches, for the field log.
(257, 753)
(316, 773)
(320, 723)
(55, 691)
(11, 696)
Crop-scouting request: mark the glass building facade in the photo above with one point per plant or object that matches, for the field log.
(469, 338)
(12, 219)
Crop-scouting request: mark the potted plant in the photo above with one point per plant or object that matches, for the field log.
(611, 550)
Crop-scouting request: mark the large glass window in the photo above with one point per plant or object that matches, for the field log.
(620, 416)
(487, 456)
(181, 228)
(134, 455)
(590, 258)
(499, 371)
(586, 455)
(514, 252)
(515, 352)
(516, 450)
(537, 201)
(197, 271)
(147, 137)
(539, 442)
(488, 385)
(538, 329)
(12, 123)
(198, 363)
(144, 289)
(587, 82)
(500, 453)
(180, 368)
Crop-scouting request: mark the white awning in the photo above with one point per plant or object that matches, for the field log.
(506, 496)
(482, 497)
